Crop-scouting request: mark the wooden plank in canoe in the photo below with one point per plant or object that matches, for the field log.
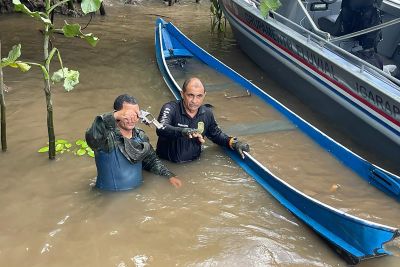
(259, 127)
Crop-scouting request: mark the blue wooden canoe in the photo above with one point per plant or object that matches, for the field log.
(354, 238)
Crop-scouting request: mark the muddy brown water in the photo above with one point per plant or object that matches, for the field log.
(52, 216)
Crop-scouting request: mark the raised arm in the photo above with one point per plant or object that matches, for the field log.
(99, 135)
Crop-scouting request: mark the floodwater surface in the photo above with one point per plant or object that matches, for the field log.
(52, 216)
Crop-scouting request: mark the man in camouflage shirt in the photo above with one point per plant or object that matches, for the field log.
(120, 148)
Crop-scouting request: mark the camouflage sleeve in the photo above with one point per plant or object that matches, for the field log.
(152, 163)
(100, 135)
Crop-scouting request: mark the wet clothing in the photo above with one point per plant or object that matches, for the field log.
(173, 145)
(115, 172)
(105, 138)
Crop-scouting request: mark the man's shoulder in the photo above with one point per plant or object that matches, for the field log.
(207, 110)
(172, 104)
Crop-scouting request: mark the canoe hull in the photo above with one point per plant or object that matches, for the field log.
(353, 238)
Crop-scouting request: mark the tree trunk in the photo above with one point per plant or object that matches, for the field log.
(49, 103)
(3, 111)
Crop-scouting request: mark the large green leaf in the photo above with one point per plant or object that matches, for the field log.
(70, 77)
(268, 5)
(90, 5)
(13, 55)
(19, 7)
(74, 30)
(71, 30)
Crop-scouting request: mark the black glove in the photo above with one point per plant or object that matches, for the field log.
(187, 132)
(239, 147)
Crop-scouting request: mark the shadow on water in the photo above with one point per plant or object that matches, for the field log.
(51, 215)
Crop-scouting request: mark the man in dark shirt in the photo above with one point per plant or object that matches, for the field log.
(122, 150)
(186, 122)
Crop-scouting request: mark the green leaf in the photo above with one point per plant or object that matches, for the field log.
(92, 40)
(90, 5)
(19, 7)
(71, 30)
(61, 141)
(68, 145)
(81, 152)
(268, 5)
(58, 76)
(24, 67)
(13, 55)
(91, 153)
(84, 145)
(70, 77)
(59, 147)
(79, 142)
(43, 149)
(74, 30)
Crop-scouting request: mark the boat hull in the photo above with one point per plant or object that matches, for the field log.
(326, 90)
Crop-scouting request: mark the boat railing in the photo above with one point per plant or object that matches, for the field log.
(327, 43)
(367, 30)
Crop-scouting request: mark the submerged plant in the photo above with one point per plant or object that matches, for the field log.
(10, 61)
(267, 5)
(217, 17)
(70, 77)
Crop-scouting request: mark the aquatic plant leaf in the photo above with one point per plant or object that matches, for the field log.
(61, 141)
(13, 55)
(88, 6)
(19, 7)
(43, 149)
(81, 152)
(267, 5)
(68, 145)
(74, 30)
(59, 147)
(91, 153)
(79, 142)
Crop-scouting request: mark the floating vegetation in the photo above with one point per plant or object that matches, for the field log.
(62, 146)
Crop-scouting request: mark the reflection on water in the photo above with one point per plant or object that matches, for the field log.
(51, 215)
